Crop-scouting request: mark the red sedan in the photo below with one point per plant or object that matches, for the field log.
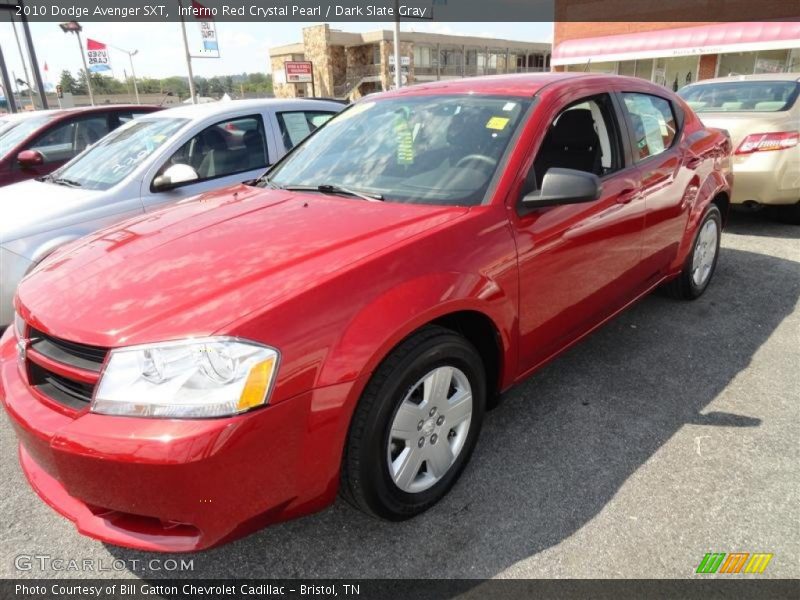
(45, 140)
(341, 324)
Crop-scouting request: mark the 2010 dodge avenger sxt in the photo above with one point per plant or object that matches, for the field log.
(342, 323)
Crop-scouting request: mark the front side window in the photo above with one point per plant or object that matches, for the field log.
(654, 125)
(119, 153)
(17, 131)
(741, 96)
(424, 149)
(69, 138)
(583, 137)
(295, 126)
(225, 148)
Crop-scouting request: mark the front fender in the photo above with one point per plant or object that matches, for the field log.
(380, 326)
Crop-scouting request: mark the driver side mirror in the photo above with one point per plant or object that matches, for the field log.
(30, 158)
(174, 176)
(563, 186)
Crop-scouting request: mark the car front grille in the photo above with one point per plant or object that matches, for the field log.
(66, 372)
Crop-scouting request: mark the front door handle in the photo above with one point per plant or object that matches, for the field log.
(627, 195)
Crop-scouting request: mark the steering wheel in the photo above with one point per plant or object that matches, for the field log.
(478, 157)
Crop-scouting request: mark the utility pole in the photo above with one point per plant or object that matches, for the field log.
(9, 93)
(24, 64)
(188, 55)
(37, 76)
(397, 78)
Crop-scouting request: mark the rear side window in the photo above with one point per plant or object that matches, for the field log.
(653, 121)
(297, 125)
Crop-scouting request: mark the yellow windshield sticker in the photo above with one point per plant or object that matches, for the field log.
(498, 123)
(405, 141)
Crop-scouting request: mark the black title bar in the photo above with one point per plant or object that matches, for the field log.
(314, 11)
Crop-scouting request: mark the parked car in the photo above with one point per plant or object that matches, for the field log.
(40, 143)
(762, 114)
(155, 160)
(10, 120)
(190, 375)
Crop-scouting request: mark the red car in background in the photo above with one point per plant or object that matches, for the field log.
(341, 323)
(45, 140)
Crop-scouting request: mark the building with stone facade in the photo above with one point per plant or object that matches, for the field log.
(350, 65)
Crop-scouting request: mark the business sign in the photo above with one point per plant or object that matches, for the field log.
(97, 57)
(299, 71)
(208, 46)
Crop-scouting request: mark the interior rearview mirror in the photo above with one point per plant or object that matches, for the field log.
(174, 176)
(563, 186)
(30, 158)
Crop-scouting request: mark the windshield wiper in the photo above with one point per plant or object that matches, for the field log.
(64, 181)
(263, 179)
(327, 188)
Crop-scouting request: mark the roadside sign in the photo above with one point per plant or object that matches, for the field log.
(298, 71)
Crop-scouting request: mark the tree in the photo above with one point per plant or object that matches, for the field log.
(67, 82)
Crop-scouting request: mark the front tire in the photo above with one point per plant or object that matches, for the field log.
(702, 260)
(415, 426)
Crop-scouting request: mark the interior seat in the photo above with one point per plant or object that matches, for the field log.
(572, 143)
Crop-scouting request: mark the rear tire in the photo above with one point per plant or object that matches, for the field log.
(789, 214)
(702, 260)
(415, 426)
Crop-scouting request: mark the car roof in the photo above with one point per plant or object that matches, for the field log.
(62, 112)
(197, 111)
(521, 84)
(757, 77)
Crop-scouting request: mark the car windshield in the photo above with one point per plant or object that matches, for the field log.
(111, 159)
(418, 149)
(741, 96)
(12, 135)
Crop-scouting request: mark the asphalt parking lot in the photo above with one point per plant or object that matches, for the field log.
(672, 432)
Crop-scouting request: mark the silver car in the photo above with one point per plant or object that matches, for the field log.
(143, 165)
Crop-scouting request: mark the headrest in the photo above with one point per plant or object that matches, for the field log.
(575, 128)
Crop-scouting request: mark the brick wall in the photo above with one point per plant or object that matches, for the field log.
(708, 66)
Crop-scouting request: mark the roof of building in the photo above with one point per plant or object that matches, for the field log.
(346, 38)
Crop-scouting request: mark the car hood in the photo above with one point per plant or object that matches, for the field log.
(740, 125)
(193, 268)
(31, 206)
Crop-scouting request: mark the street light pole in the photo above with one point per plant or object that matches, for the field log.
(131, 54)
(24, 65)
(85, 68)
(75, 27)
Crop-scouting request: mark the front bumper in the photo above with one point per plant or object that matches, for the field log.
(767, 177)
(176, 485)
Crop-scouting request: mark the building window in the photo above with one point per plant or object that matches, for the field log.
(422, 56)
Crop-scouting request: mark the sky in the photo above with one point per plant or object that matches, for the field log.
(244, 47)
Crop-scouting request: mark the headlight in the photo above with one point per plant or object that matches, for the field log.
(210, 377)
(19, 326)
